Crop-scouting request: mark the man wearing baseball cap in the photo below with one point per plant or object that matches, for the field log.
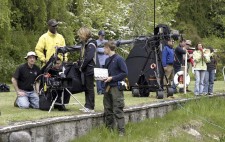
(23, 81)
(49, 41)
(101, 57)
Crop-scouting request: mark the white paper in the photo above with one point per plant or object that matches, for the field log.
(100, 73)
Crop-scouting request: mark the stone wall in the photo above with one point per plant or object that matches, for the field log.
(61, 129)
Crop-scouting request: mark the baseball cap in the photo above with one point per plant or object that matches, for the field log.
(188, 42)
(102, 33)
(31, 53)
(52, 23)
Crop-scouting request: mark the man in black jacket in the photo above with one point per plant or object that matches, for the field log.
(179, 53)
(88, 62)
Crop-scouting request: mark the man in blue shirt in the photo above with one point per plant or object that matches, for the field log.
(167, 61)
(113, 97)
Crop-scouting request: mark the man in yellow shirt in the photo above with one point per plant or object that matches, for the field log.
(47, 43)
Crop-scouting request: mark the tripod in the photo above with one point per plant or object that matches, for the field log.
(59, 83)
(151, 78)
(62, 99)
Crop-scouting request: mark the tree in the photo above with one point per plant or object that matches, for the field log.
(142, 14)
(207, 16)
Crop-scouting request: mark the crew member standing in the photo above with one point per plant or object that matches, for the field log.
(167, 60)
(179, 52)
(47, 43)
(113, 97)
(89, 61)
(101, 57)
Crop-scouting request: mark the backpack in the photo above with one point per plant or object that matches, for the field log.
(4, 87)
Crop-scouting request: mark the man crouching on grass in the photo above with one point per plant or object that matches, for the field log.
(113, 100)
(23, 81)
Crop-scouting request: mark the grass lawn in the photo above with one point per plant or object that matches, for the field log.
(197, 121)
(10, 114)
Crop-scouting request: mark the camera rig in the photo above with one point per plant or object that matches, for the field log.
(145, 70)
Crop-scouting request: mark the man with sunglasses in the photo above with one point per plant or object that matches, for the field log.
(47, 43)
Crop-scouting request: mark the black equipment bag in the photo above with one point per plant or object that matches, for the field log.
(4, 87)
(45, 101)
(144, 90)
(72, 71)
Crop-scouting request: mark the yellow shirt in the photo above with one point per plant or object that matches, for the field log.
(48, 42)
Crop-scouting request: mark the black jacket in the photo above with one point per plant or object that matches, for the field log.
(88, 63)
(178, 57)
(212, 64)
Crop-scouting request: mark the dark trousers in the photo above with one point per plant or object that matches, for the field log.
(176, 69)
(89, 92)
(113, 102)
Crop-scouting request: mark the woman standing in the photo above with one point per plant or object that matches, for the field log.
(210, 74)
(88, 62)
(201, 56)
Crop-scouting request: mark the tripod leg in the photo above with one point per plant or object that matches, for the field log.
(75, 99)
(53, 104)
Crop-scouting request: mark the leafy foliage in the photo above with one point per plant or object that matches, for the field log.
(23, 22)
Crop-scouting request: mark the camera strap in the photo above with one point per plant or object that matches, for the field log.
(113, 56)
(110, 60)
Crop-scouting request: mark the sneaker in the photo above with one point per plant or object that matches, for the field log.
(100, 92)
(204, 93)
(87, 110)
(121, 134)
(188, 90)
(210, 93)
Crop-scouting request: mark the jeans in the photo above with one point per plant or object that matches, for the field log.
(30, 99)
(209, 81)
(100, 86)
(199, 81)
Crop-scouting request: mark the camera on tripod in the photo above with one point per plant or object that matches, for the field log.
(59, 82)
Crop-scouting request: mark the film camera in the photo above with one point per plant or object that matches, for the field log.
(59, 82)
(55, 77)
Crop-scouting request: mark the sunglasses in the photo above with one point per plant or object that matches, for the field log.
(55, 26)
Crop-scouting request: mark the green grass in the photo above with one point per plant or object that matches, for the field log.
(205, 116)
(11, 114)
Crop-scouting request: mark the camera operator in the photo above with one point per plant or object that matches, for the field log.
(88, 62)
(54, 72)
(113, 97)
(47, 43)
(102, 57)
(23, 81)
